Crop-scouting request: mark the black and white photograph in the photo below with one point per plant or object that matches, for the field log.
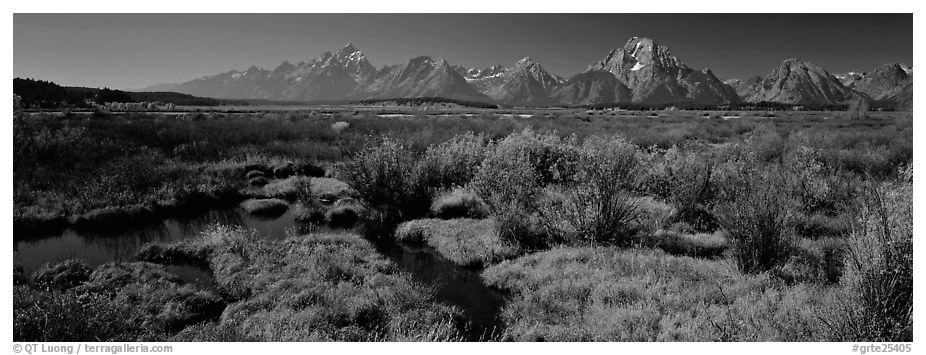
(187, 179)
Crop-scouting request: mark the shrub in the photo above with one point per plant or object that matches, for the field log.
(453, 163)
(514, 172)
(819, 188)
(857, 110)
(459, 203)
(599, 208)
(61, 276)
(385, 178)
(685, 179)
(265, 207)
(757, 216)
(767, 143)
(879, 266)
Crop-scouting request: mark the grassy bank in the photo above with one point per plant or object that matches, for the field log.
(114, 302)
(319, 287)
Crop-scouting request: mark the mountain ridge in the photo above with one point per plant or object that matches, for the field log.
(640, 71)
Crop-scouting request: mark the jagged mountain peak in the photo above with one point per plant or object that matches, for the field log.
(653, 74)
(424, 59)
(524, 82)
(890, 84)
(525, 61)
(639, 70)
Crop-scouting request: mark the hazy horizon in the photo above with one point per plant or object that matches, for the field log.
(132, 51)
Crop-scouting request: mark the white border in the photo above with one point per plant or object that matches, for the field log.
(575, 6)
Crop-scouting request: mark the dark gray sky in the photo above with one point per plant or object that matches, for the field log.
(132, 51)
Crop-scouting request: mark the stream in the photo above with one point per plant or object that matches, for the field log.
(453, 284)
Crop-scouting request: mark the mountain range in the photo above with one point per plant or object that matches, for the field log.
(640, 71)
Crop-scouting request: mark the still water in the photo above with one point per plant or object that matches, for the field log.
(454, 285)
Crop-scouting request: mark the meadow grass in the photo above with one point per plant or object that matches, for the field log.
(610, 294)
(459, 203)
(265, 207)
(468, 242)
(318, 287)
(116, 302)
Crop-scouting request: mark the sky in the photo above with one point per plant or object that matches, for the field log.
(132, 51)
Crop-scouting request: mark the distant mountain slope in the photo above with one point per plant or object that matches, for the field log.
(524, 83)
(890, 84)
(800, 82)
(593, 87)
(745, 88)
(419, 77)
(654, 75)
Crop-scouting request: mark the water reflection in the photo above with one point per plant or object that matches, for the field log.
(96, 248)
(453, 284)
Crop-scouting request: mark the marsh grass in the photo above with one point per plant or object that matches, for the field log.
(459, 203)
(117, 302)
(757, 216)
(468, 242)
(265, 207)
(879, 269)
(849, 276)
(700, 245)
(318, 287)
(609, 294)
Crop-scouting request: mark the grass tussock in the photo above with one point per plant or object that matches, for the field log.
(469, 242)
(62, 276)
(459, 203)
(290, 189)
(265, 207)
(321, 287)
(330, 189)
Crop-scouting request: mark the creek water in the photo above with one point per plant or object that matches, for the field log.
(453, 284)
